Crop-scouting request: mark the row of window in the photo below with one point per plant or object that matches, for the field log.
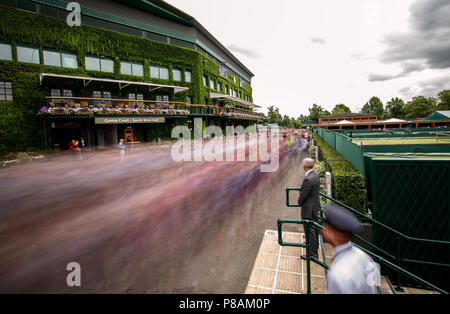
(54, 12)
(354, 119)
(28, 54)
(103, 94)
(228, 91)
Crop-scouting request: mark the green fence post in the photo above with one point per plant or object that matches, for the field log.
(308, 270)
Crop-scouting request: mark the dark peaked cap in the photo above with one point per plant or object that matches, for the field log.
(341, 218)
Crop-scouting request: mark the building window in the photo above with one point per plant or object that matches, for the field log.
(132, 68)
(69, 60)
(5, 52)
(107, 95)
(101, 94)
(60, 59)
(67, 93)
(56, 93)
(226, 90)
(96, 94)
(205, 81)
(176, 75)
(133, 96)
(6, 93)
(28, 54)
(139, 97)
(212, 84)
(52, 58)
(188, 76)
(162, 98)
(99, 64)
(159, 72)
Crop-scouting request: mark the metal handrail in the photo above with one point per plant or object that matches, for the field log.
(306, 245)
(401, 270)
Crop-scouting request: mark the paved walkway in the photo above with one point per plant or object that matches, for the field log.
(280, 270)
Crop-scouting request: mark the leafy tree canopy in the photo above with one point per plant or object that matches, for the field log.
(340, 108)
(373, 106)
(395, 108)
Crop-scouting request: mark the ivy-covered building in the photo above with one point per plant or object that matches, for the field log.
(133, 68)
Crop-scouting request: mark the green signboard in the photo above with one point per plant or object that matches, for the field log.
(129, 120)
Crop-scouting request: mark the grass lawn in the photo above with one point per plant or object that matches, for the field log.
(403, 141)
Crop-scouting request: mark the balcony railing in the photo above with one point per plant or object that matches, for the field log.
(84, 106)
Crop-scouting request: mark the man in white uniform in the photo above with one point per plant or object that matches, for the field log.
(352, 270)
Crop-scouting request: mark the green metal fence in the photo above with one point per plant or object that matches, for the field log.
(351, 151)
(402, 130)
(402, 135)
(424, 148)
(412, 196)
(354, 152)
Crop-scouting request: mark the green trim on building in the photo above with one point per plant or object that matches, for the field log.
(439, 115)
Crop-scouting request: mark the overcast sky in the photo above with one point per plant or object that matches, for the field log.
(329, 52)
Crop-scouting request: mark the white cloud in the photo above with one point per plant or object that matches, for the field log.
(320, 51)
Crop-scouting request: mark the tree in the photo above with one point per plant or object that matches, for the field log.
(274, 116)
(317, 112)
(420, 107)
(395, 108)
(444, 100)
(374, 106)
(286, 122)
(386, 116)
(341, 108)
(297, 123)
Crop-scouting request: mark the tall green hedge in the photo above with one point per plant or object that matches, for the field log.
(348, 185)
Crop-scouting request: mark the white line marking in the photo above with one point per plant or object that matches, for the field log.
(267, 253)
(278, 290)
(259, 287)
(276, 271)
(287, 271)
(303, 276)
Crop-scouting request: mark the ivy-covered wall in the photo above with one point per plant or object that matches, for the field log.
(20, 127)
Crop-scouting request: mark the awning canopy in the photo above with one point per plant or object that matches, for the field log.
(122, 84)
(394, 120)
(232, 98)
(343, 122)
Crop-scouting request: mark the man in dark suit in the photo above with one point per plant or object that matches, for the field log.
(310, 203)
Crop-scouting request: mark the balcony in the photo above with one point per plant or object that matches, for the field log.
(93, 107)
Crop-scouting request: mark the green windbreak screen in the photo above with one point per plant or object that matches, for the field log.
(412, 196)
(352, 152)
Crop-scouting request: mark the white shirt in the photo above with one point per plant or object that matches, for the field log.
(352, 272)
(307, 172)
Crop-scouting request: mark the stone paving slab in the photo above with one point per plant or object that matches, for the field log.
(280, 270)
